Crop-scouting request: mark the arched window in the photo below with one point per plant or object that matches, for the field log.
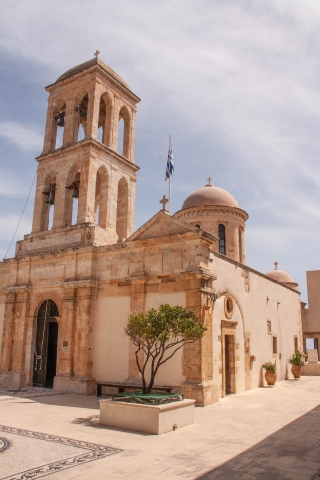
(222, 239)
(59, 119)
(240, 245)
(124, 135)
(82, 110)
(47, 207)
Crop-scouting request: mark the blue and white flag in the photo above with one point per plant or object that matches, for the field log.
(170, 165)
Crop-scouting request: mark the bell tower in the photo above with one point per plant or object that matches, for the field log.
(85, 193)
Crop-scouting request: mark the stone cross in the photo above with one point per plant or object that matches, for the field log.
(164, 201)
(96, 54)
(276, 265)
(209, 180)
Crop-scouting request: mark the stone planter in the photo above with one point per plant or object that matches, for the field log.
(270, 377)
(296, 371)
(155, 419)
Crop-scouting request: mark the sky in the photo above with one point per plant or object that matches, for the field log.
(237, 84)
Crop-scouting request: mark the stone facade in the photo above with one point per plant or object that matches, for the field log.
(82, 278)
(311, 315)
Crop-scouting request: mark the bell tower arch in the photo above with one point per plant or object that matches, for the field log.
(79, 170)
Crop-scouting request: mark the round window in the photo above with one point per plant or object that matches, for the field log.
(228, 307)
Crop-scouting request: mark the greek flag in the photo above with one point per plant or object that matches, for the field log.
(170, 164)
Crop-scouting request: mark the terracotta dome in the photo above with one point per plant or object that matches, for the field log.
(210, 195)
(280, 276)
(89, 64)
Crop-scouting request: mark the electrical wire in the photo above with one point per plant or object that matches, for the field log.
(21, 215)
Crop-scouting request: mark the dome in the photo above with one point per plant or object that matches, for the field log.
(89, 64)
(280, 276)
(210, 195)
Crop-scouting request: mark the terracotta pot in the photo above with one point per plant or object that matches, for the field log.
(296, 371)
(270, 377)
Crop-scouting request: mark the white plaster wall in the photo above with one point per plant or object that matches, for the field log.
(2, 307)
(285, 318)
(218, 314)
(170, 373)
(111, 345)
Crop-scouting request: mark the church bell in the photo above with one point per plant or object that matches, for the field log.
(60, 119)
(83, 112)
(75, 192)
(50, 200)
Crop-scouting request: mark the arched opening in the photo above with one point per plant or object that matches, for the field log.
(47, 207)
(120, 136)
(59, 118)
(222, 239)
(82, 110)
(122, 209)
(97, 201)
(101, 120)
(45, 357)
(124, 132)
(72, 196)
(240, 245)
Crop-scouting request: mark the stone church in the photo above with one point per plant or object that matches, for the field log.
(66, 295)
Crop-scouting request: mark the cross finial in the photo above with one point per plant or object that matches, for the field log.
(96, 54)
(209, 180)
(275, 265)
(164, 201)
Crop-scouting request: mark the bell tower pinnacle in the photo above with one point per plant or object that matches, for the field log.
(86, 176)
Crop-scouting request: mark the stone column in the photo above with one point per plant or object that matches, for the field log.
(198, 357)
(19, 339)
(13, 339)
(51, 129)
(83, 381)
(87, 193)
(40, 208)
(65, 341)
(93, 113)
(68, 134)
(7, 336)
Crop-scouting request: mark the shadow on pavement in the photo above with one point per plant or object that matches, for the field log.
(292, 453)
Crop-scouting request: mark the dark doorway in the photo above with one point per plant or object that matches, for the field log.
(227, 364)
(45, 361)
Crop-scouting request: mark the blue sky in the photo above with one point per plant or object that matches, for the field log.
(237, 84)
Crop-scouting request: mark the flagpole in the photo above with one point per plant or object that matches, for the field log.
(169, 176)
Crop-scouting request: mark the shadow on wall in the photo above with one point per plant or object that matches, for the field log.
(292, 453)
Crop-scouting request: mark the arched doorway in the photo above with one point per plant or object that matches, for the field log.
(45, 355)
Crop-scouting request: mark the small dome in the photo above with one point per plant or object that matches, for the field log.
(89, 64)
(210, 195)
(280, 276)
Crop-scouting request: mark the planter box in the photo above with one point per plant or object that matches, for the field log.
(155, 419)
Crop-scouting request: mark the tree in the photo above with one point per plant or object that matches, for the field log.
(159, 334)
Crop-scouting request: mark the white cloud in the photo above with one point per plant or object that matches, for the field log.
(23, 137)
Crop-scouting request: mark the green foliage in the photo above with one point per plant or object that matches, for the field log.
(159, 334)
(270, 366)
(297, 358)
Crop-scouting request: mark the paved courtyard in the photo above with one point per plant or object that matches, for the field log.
(266, 433)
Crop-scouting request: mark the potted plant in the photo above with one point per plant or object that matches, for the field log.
(296, 361)
(157, 336)
(271, 372)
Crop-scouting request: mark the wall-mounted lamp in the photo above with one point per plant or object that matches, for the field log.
(211, 298)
